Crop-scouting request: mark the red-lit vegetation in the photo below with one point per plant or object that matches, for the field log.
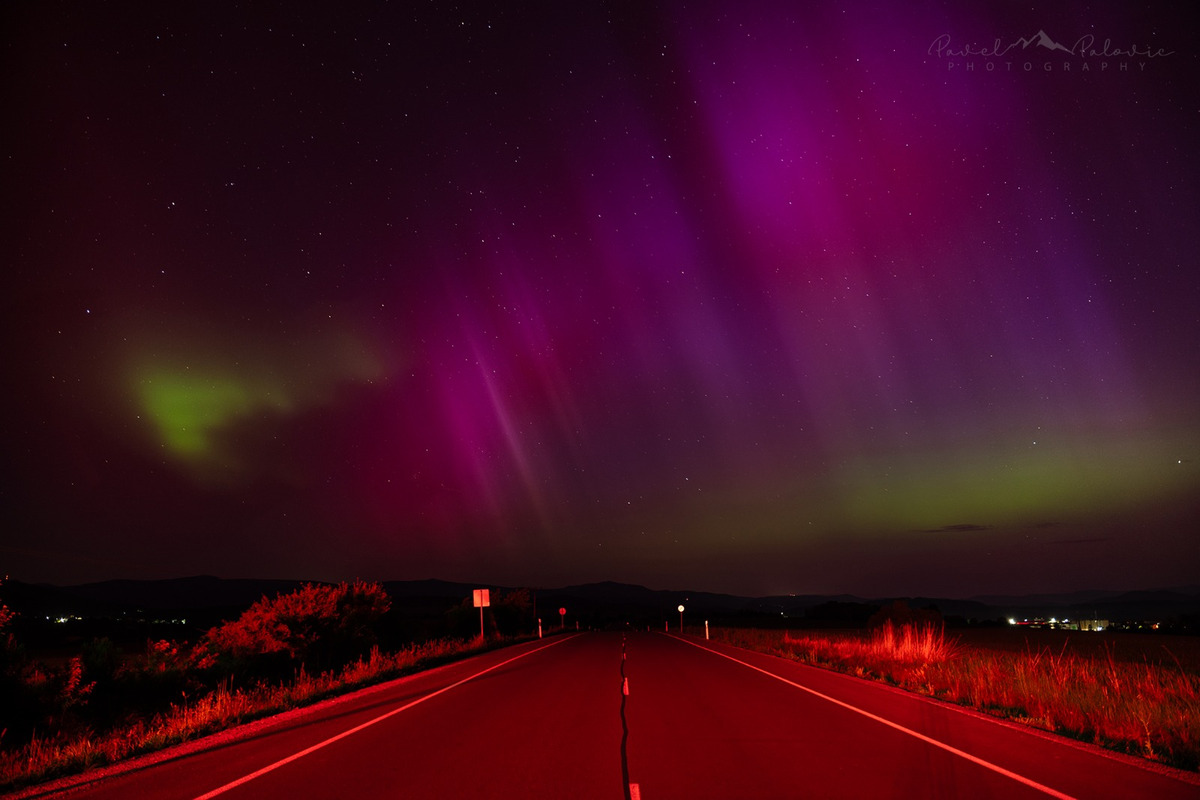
(1147, 709)
(314, 626)
(282, 653)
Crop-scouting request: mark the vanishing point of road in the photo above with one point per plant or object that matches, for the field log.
(640, 716)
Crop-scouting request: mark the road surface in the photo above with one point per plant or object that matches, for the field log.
(643, 716)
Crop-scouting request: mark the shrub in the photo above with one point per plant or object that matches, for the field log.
(101, 660)
(316, 626)
(153, 680)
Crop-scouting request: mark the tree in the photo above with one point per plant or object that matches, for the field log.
(513, 612)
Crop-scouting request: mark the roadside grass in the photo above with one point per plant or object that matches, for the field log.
(1145, 709)
(52, 756)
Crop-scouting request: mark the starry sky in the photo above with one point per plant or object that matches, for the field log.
(865, 297)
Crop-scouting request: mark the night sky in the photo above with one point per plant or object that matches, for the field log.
(878, 298)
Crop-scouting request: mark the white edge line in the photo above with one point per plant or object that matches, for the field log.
(948, 748)
(294, 756)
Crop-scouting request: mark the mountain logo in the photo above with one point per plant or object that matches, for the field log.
(1042, 39)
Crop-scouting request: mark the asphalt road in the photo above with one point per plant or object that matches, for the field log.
(644, 716)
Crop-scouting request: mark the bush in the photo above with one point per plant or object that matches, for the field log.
(101, 660)
(316, 626)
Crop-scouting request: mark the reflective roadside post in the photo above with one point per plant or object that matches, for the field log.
(706, 630)
(681, 620)
(539, 627)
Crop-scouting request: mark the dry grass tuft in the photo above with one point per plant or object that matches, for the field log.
(1149, 710)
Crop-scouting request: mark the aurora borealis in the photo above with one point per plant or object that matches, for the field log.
(735, 297)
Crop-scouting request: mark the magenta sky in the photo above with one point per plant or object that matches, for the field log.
(741, 297)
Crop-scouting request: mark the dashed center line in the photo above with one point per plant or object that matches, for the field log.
(631, 789)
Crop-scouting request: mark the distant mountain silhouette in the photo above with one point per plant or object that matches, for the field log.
(607, 600)
(1051, 600)
(431, 588)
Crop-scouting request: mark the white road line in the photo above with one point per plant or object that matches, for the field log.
(294, 756)
(948, 748)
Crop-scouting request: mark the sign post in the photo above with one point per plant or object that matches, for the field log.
(482, 599)
(562, 619)
(681, 620)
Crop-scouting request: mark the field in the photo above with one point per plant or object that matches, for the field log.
(1182, 652)
(1134, 693)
